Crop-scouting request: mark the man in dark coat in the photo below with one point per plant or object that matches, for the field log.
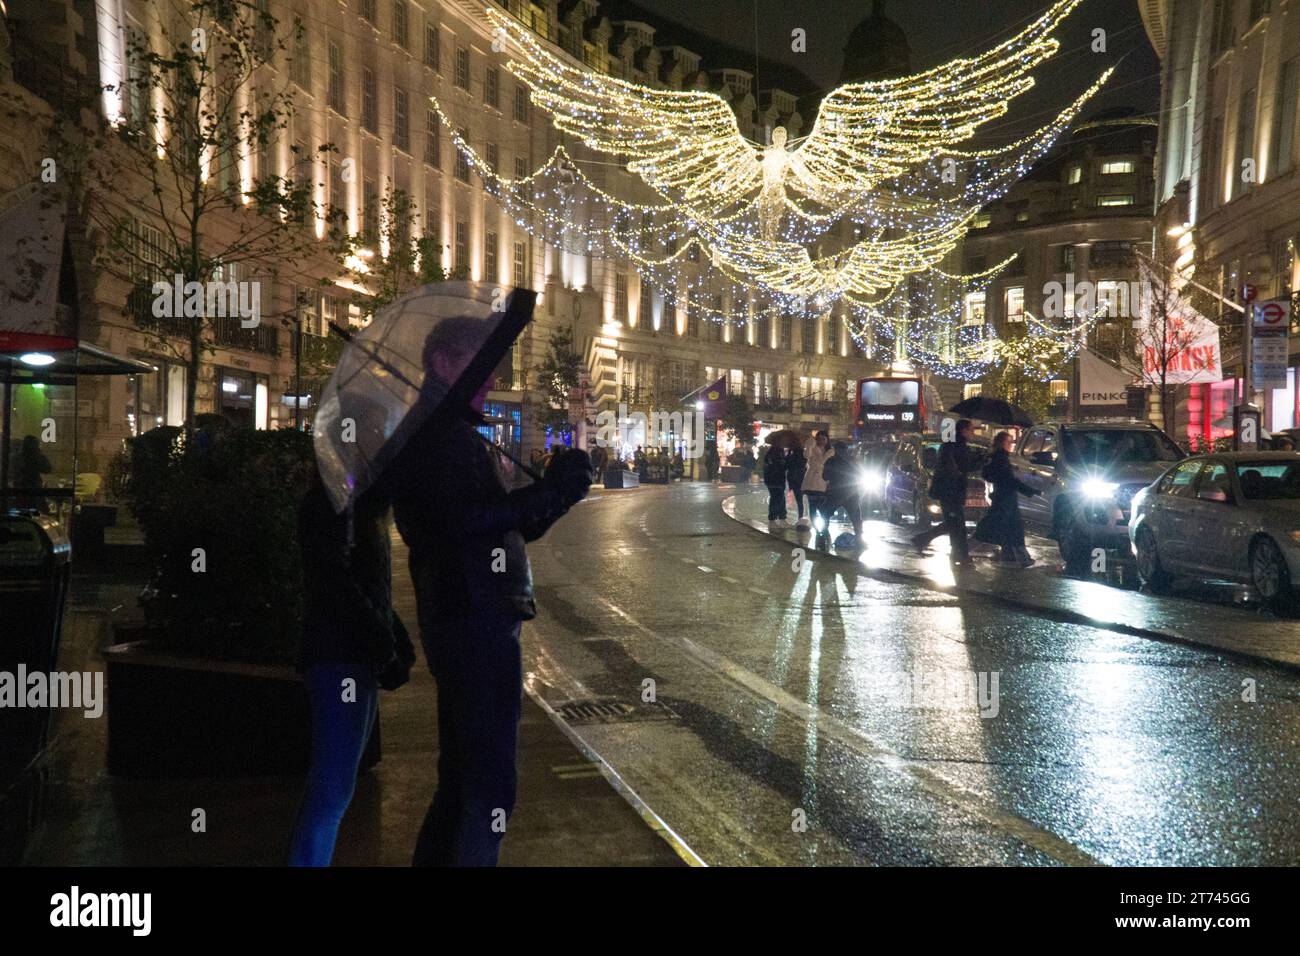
(842, 489)
(956, 460)
(473, 588)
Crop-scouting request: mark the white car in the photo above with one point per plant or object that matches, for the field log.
(1233, 516)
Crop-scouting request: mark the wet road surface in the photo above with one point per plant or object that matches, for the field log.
(772, 710)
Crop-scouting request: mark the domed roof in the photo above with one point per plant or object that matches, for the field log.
(877, 49)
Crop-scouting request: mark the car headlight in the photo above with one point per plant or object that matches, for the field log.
(1095, 488)
(871, 481)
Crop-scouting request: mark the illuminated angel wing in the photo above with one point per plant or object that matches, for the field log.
(686, 144)
(867, 133)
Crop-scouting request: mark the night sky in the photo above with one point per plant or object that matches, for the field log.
(940, 30)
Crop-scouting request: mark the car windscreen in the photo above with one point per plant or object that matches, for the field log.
(1117, 446)
(1269, 480)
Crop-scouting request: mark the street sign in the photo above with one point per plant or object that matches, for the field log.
(1270, 343)
(1248, 293)
(1273, 314)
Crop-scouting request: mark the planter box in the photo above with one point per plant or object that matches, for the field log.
(172, 716)
(616, 477)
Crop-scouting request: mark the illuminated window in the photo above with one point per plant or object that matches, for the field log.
(981, 220)
(432, 140)
(1014, 299)
(1115, 167)
(462, 245)
(620, 298)
(369, 101)
(492, 87)
(973, 309)
(490, 257)
(1115, 200)
(519, 267)
(972, 390)
(334, 87)
(401, 123)
(1076, 175)
(1060, 390)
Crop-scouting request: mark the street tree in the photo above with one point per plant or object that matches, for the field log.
(185, 188)
(558, 375)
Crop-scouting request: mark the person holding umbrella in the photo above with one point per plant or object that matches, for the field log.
(1002, 524)
(948, 487)
(427, 361)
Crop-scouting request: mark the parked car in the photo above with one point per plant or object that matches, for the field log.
(907, 482)
(1232, 516)
(1088, 473)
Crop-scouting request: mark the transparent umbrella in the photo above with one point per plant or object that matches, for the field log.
(434, 347)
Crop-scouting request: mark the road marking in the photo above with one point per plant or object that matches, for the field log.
(706, 569)
(869, 747)
(758, 591)
(730, 580)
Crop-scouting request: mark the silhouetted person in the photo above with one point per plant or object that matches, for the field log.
(948, 487)
(1002, 525)
(473, 589)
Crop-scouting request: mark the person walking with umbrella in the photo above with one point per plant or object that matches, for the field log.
(427, 361)
(948, 487)
(774, 478)
(1002, 524)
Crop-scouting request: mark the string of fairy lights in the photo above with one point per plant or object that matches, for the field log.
(728, 230)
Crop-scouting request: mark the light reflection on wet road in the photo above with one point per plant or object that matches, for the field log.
(781, 734)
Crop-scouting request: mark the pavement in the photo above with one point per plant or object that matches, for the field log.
(572, 809)
(1197, 616)
(778, 711)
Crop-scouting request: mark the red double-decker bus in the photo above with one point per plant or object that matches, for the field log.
(890, 405)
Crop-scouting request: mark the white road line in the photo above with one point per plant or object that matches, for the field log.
(705, 568)
(869, 747)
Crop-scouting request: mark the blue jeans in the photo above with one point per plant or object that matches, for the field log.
(339, 731)
(480, 682)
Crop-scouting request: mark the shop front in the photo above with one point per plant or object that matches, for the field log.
(244, 398)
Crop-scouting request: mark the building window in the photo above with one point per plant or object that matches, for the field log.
(1258, 8)
(972, 390)
(1225, 31)
(645, 310)
(370, 210)
(787, 333)
(462, 245)
(432, 139)
(1022, 215)
(462, 164)
(300, 66)
(493, 158)
(490, 257)
(492, 87)
(1116, 167)
(808, 338)
(521, 103)
(432, 52)
(369, 101)
(1108, 298)
(1284, 136)
(401, 124)
(519, 266)
(1067, 259)
(620, 298)
(334, 90)
(1076, 175)
(1126, 200)
(433, 227)
(369, 11)
(338, 197)
(1060, 391)
(399, 23)
(973, 309)
(1014, 299)
(981, 220)
(462, 67)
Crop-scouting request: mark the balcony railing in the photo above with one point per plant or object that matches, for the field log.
(818, 406)
(228, 333)
(773, 403)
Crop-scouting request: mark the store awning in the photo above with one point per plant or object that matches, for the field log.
(85, 359)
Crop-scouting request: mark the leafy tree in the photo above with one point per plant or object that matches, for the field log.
(558, 375)
(738, 418)
(193, 109)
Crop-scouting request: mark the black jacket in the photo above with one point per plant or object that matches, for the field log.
(796, 466)
(465, 530)
(1002, 523)
(956, 460)
(347, 591)
(774, 471)
(838, 471)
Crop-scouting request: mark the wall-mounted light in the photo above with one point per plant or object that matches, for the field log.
(37, 359)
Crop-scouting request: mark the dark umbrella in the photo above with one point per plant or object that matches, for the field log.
(381, 391)
(785, 438)
(994, 410)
